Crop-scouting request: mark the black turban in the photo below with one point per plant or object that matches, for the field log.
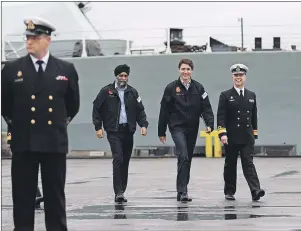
(122, 68)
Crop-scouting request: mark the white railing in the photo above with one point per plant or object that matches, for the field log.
(3, 50)
(152, 44)
(129, 41)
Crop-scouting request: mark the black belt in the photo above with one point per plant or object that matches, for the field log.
(123, 125)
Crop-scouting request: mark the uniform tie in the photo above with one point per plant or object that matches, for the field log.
(241, 95)
(39, 77)
(40, 71)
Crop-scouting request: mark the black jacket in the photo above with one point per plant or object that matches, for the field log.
(107, 107)
(184, 107)
(38, 109)
(237, 118)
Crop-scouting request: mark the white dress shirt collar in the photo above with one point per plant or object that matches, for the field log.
(238, 90)
(45, 58)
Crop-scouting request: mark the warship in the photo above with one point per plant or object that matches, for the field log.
(274, 76)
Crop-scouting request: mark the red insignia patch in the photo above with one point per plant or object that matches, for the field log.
(110, 92)
(178, 89)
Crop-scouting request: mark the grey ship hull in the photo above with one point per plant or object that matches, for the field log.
(274, 76)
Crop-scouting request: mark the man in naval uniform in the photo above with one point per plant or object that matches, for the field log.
(237, 128)
(40, 96)
(39, 197)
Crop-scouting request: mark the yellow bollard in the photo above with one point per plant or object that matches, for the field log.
(217, 144)
(208, 143)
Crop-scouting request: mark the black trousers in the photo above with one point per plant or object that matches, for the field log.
(246, 152)
(24, 176)
(121, 144)
(185, 140)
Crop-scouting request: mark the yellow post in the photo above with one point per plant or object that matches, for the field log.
(217, 144)
(208, 143)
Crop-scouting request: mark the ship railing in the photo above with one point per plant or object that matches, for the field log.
(145, 43)
(11, 49)
(13, 46)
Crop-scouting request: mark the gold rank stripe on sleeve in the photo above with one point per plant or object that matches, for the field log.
(221, 130)
(255, 132)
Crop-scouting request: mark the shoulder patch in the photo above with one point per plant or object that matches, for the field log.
(204, 95)
(139, 99)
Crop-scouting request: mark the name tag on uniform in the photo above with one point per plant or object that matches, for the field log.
(18, 80)
(251, 100)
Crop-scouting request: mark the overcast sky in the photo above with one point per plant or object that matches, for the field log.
(144, 22)
(199, 21)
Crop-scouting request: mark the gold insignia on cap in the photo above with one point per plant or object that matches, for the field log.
(19, 73)
(30, 25)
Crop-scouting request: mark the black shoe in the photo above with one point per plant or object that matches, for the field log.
(229, 197)
(259, 193)
(179, 197)
(39, 200)
(184, 197)
(119, 198)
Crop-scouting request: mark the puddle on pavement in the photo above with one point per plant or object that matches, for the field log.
(180, 213)
(287, 173)
(78, 182)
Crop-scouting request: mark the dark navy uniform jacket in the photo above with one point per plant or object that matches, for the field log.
(39, 109)
(236, 117)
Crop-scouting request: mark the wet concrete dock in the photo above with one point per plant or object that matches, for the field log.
(152, 201)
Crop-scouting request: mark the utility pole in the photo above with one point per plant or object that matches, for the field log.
(242, 33)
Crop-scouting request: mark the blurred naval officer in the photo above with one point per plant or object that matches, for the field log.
(184, 101)
(39, 197)
(117, 109)
(40, 96)
(237, 128)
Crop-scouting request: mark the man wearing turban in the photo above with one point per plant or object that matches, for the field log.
(117, 109)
